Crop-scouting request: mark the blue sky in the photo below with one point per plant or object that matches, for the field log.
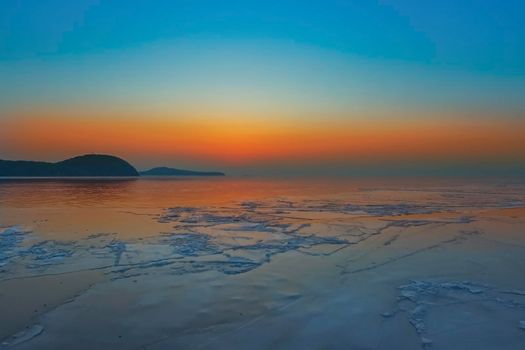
(359, 53)
(473, 35)
(483, 42)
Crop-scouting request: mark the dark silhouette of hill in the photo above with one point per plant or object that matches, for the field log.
(164, 171)
(86, 165)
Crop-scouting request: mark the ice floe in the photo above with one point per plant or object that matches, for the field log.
(419, 299)
(24, 335)
(10, 240)
(251, 232)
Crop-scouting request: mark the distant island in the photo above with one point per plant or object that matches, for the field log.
(164, 171)
(88, 165)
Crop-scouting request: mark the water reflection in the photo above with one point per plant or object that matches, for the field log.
(168, 192)
(67, 192)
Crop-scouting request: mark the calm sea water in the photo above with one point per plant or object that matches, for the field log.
(162, 192)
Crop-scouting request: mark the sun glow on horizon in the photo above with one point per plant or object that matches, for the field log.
(241, 141)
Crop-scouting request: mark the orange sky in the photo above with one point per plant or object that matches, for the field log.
(233, 141)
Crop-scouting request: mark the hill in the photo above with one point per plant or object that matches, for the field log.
(86, 165)
(164, 171)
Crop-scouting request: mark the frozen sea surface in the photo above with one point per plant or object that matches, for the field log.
(262, 264)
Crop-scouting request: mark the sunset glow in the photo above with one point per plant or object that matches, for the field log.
(242, 141)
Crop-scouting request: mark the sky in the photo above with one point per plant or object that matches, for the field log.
(267, 87)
